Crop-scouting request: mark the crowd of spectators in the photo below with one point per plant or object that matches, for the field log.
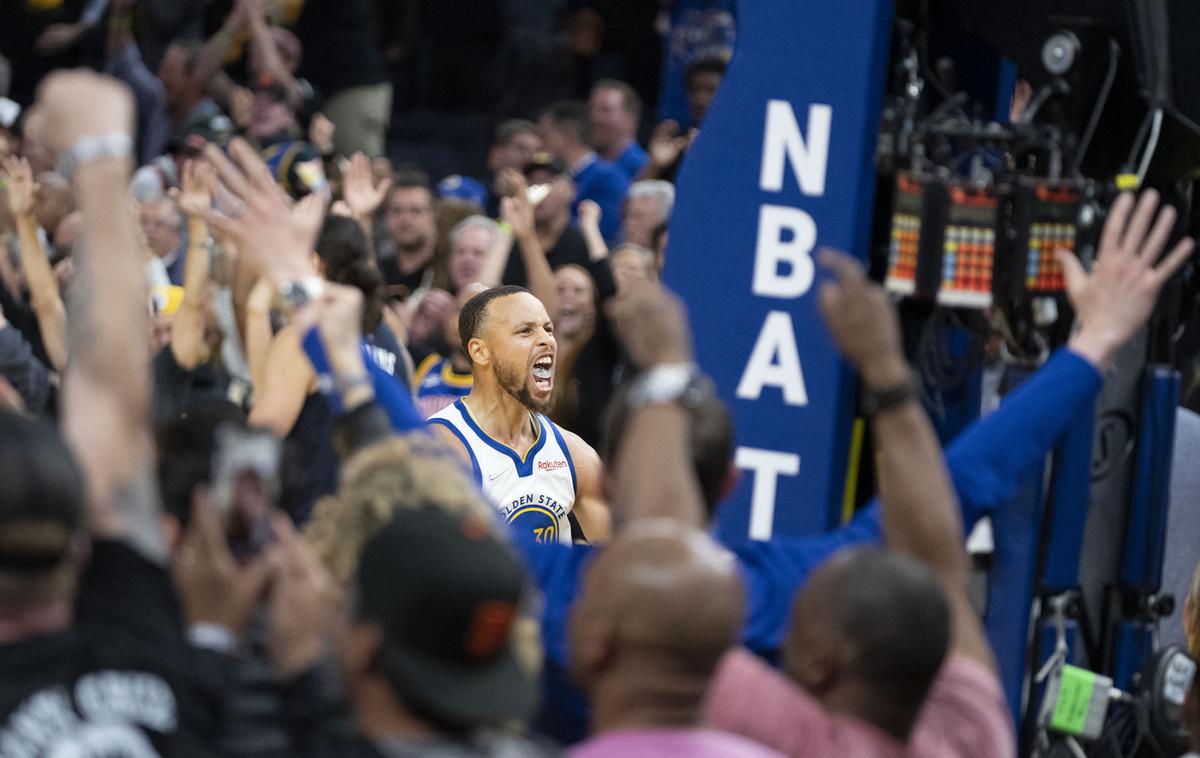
(225, 315)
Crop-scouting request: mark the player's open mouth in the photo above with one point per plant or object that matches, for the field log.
(543, 373)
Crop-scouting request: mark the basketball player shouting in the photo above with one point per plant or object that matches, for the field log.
(535, 473)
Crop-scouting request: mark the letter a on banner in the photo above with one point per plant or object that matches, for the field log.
(783, 165)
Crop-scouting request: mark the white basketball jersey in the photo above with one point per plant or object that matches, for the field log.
(533, 492)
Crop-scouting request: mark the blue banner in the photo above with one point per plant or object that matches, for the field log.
(784, 165)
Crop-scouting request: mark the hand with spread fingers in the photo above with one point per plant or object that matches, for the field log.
(255, 212)
(1113, 301)
(194, 196)
(359, 189)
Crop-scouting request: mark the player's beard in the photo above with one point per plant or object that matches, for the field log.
(510, 382)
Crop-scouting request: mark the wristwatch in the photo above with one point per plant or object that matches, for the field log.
(681, 383)
(297, 293)
(94, 147)
(874, 402)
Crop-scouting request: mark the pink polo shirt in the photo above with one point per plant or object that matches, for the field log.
(670, 743)
(965, 715)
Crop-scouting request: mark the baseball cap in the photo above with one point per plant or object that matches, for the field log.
(41, 495)
(448, 593)
(543, 161)
(458, 187)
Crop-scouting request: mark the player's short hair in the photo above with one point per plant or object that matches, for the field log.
(474, 312)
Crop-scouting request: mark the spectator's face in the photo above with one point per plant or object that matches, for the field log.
(576, 302)
(516, 154)
(468, 256)
(629, 268)
(611, 123)
(701, 90)
(268, 116)
(409, 218)
(554, 138)
(642, 216)
(162, 226)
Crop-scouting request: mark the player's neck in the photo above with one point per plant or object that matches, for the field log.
(498, 413)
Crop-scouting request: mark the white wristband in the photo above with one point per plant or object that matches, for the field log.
(212, 637)
(94, 147)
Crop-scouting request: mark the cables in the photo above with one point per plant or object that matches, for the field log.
(1152, 145)
(1114, 58)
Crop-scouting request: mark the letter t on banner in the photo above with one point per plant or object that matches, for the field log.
(783, 165)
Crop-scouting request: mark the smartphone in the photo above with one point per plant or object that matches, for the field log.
(245, 487)
(537, 193)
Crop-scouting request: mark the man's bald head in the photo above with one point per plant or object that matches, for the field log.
(661, 602)
(869, 633)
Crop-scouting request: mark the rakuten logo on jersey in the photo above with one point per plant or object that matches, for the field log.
(551, 465)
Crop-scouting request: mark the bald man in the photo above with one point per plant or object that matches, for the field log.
(660, 607)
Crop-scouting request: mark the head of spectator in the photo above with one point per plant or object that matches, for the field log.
(43, 545)
(409, 213)
(54, 200)
(616, 111)
(701, 81)
(177, 69)
(472, 241)
(647, 207)
(658, 609)
(515, 143)
(428, 645)
(565, 128)
(869, 632)
(710, 442)
(271, 114)
(555, 208)
(632, 264)
(344, 256)
(576, 303)
(162, 223)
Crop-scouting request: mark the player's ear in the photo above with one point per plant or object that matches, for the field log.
(478, 352)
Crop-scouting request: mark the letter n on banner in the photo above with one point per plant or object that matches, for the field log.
(784, 164)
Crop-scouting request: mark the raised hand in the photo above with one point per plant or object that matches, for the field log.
(667, 144)
(19, 186)
(257, 215)
(77, 103)
(862, 321)
(194, 197)
(516, 209)
(320, 133)
(359, 189)
(589, 215)
(652, 325)
(1115, 299)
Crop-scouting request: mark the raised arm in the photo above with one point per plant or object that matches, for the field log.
(43, 286)
(106, 390)
(920, 511)
(589, 226)
(265, 57)
(362, 193)
(187, 337)
(517, 211)
(655, 477)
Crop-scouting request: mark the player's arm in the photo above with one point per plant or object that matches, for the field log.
(590, 508)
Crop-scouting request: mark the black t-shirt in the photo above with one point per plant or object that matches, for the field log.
(175, 387)
(341, 45)
(570, 248)
(110, 685)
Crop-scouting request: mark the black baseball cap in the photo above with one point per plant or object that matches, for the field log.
(41, 495)
(543, 161)
(448, 593)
